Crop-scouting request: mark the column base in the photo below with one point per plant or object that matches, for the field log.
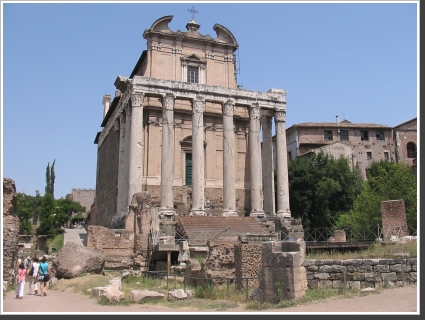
(197, 212)
(283, 214)
(166, 214)
(229, 213)
(257, 214)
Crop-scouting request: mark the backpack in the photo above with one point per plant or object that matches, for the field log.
(31, 271)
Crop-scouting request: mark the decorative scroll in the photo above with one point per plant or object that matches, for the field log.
(254, 112)
(198, 106)
(280, 116)
(228, 108)
(137, 100)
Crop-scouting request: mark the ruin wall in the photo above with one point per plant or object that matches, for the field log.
(10, 230)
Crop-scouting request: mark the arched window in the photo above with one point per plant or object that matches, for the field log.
(411, 150)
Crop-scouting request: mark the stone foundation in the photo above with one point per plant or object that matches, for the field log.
(282, 274)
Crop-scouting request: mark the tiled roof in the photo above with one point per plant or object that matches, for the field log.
(341, 125)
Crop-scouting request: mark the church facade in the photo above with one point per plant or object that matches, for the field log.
(180, 129)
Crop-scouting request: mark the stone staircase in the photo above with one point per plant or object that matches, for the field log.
(198, 230)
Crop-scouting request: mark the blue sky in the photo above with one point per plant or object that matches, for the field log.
(358, 61)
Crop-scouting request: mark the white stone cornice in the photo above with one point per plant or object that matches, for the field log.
(186, 90)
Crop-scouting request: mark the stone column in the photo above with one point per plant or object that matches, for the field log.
(136, 149)
(267, 164)
(229, 192)
(126, 163)
(282, 165)
(121, 196)
(167, 157)
(255, 161)
(198, 181)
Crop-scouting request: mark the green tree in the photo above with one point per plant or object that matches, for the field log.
(50, 178)
(386, 181)
(59, 219)
(36, 204)
(24, 211)
(70, 206)
(46, 212)
(321, 188)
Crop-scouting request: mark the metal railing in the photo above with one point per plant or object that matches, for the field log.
(312, 235)
(170, 280)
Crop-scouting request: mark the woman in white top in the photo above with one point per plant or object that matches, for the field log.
(33, 283)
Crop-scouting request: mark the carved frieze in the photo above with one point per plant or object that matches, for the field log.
(228, 57)
(177, 49)
(210, 54)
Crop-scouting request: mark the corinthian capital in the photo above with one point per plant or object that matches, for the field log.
(254, 112)
(228, 108)
(199, 105)
(280, 116)
(168, 101)
(137, 99)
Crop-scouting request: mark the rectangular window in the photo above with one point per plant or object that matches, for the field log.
(289, 155)
(343, 135)
(329, 135)
(188, 169)
(364, 135)
(369, 155)
(386, 155)
(380, 135)
(192, 74)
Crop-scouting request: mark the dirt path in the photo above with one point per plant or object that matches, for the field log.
(396, 300)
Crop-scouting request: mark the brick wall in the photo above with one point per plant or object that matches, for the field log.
(247, 261)
(127, 247)
(394, 222)
(10, 229)
(107, 180)
(220, 261)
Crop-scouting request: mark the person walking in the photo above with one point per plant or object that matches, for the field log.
(43, 275)
(33, 282)
(22, 273)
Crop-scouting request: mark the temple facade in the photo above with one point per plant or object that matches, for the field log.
(180, 129)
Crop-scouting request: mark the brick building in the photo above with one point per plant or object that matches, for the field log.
(365, 142)
(361, 143)
(180, 129)
(85, 197)
(406, 137)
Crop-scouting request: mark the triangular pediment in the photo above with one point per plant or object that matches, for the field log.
(193, 57)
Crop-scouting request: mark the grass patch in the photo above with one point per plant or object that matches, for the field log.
(56, 242)
(377, 250)
(81, 284)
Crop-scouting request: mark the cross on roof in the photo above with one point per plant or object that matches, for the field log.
(193, 11)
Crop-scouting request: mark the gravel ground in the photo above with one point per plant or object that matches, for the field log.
(396, 300)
